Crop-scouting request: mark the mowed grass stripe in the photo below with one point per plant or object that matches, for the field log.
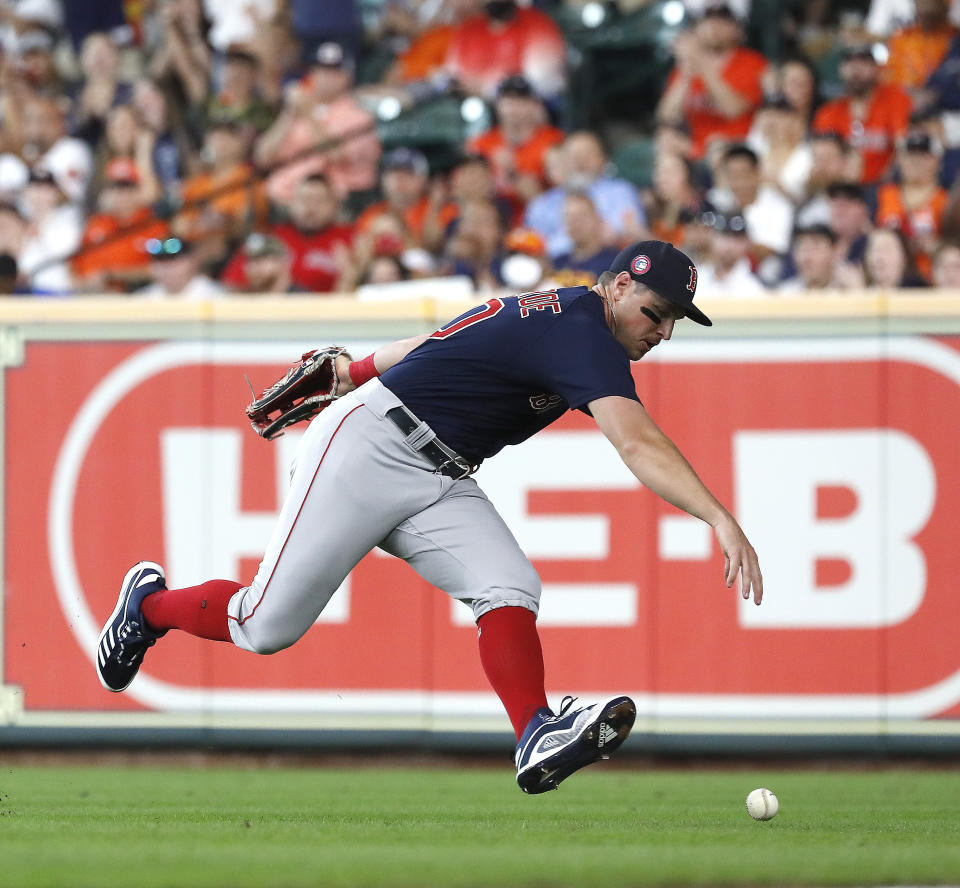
(89, 826)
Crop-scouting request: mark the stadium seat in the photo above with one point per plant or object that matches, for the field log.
(634, 161)
(436, 127)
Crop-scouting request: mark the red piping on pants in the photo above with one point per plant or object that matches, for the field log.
(287, 540)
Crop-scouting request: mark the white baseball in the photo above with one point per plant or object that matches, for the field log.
(762, 804)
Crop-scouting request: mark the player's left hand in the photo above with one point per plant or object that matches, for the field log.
(740, 558)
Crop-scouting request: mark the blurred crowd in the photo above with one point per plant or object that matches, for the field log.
(203, 148)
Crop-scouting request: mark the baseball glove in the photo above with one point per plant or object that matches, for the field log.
(307, 388)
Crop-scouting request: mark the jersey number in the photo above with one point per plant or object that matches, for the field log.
(528, 302)
(484, 312)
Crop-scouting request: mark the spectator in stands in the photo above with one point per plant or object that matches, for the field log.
(321, 129)
(716, 84)
(871, 116)
(831, 160)
(238, 99)
(946, 266)
(888, 261)
(12, 230)
(53, 233)
(315, 23)
(503, 39)
(779, 138)
(768, 214)
(471, 179)
(941, 92)
(424, 57)
(516, 146)
(100, 87)
(19, 17)
(319, 244)
(591, 253)
(476, 248)
(616, 200)
(172, 154)
(525, 265)
(278, 52)
(727, 272)
(544, 214)
(236, 21)
(815, 260)
(916, 205)
(379, 256)
(225, 199)
(47, 145)
(14, 175)
(266, 265)
(672, 137)
(125, 137)
(182, 57)
(385, 268)
(851, 221)
(583, 168)
(9, 274)
(674, 201)
(797, 80)
(916, 50)
(105, 16)
(35, 64)
(112, 254)
(403, 181)
(175, 272)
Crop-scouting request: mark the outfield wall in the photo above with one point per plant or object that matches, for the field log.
(829, 424)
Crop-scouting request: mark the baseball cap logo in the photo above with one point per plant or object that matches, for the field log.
(640, 264)
(692, 283)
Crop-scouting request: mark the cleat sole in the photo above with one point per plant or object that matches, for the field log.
(586, 750)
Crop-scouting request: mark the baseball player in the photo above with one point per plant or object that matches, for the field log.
(392, 459)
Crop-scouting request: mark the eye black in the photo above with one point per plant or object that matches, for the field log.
(650, 313)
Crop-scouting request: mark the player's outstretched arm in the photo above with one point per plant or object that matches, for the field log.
(659, 465)
(383, 358)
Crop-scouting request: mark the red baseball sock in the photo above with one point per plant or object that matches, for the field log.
(199, 610)
(513, 661)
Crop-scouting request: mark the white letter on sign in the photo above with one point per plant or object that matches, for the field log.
(206, 532)
(893, 486)
(562, 461)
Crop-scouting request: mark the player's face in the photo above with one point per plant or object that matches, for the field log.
(636, 330)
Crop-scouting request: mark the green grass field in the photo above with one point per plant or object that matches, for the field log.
(170, 826)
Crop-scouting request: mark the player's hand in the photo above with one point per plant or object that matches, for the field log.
(739, 558)
(342, 366)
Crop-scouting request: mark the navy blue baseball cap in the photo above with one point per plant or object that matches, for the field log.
(669, 272)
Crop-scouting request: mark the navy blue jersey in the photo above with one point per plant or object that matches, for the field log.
(506, 369)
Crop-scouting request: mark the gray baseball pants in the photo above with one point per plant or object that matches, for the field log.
(357, 484)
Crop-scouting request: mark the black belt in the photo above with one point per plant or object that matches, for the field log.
(445, 461)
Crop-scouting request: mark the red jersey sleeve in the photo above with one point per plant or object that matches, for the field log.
(830, 118)
(745, 75)
(234, 275)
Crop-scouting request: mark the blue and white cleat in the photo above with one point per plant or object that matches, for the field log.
(126, 636)
(552, 746)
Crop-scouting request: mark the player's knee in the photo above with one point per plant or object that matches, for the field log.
(264, 639)
(523, 591)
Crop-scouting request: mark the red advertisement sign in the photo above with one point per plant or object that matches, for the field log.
(838, 456)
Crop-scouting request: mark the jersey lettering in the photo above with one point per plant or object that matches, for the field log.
(542, 403)
(538, 302)
(484, 312)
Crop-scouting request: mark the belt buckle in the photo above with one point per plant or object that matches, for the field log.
(458, 461)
